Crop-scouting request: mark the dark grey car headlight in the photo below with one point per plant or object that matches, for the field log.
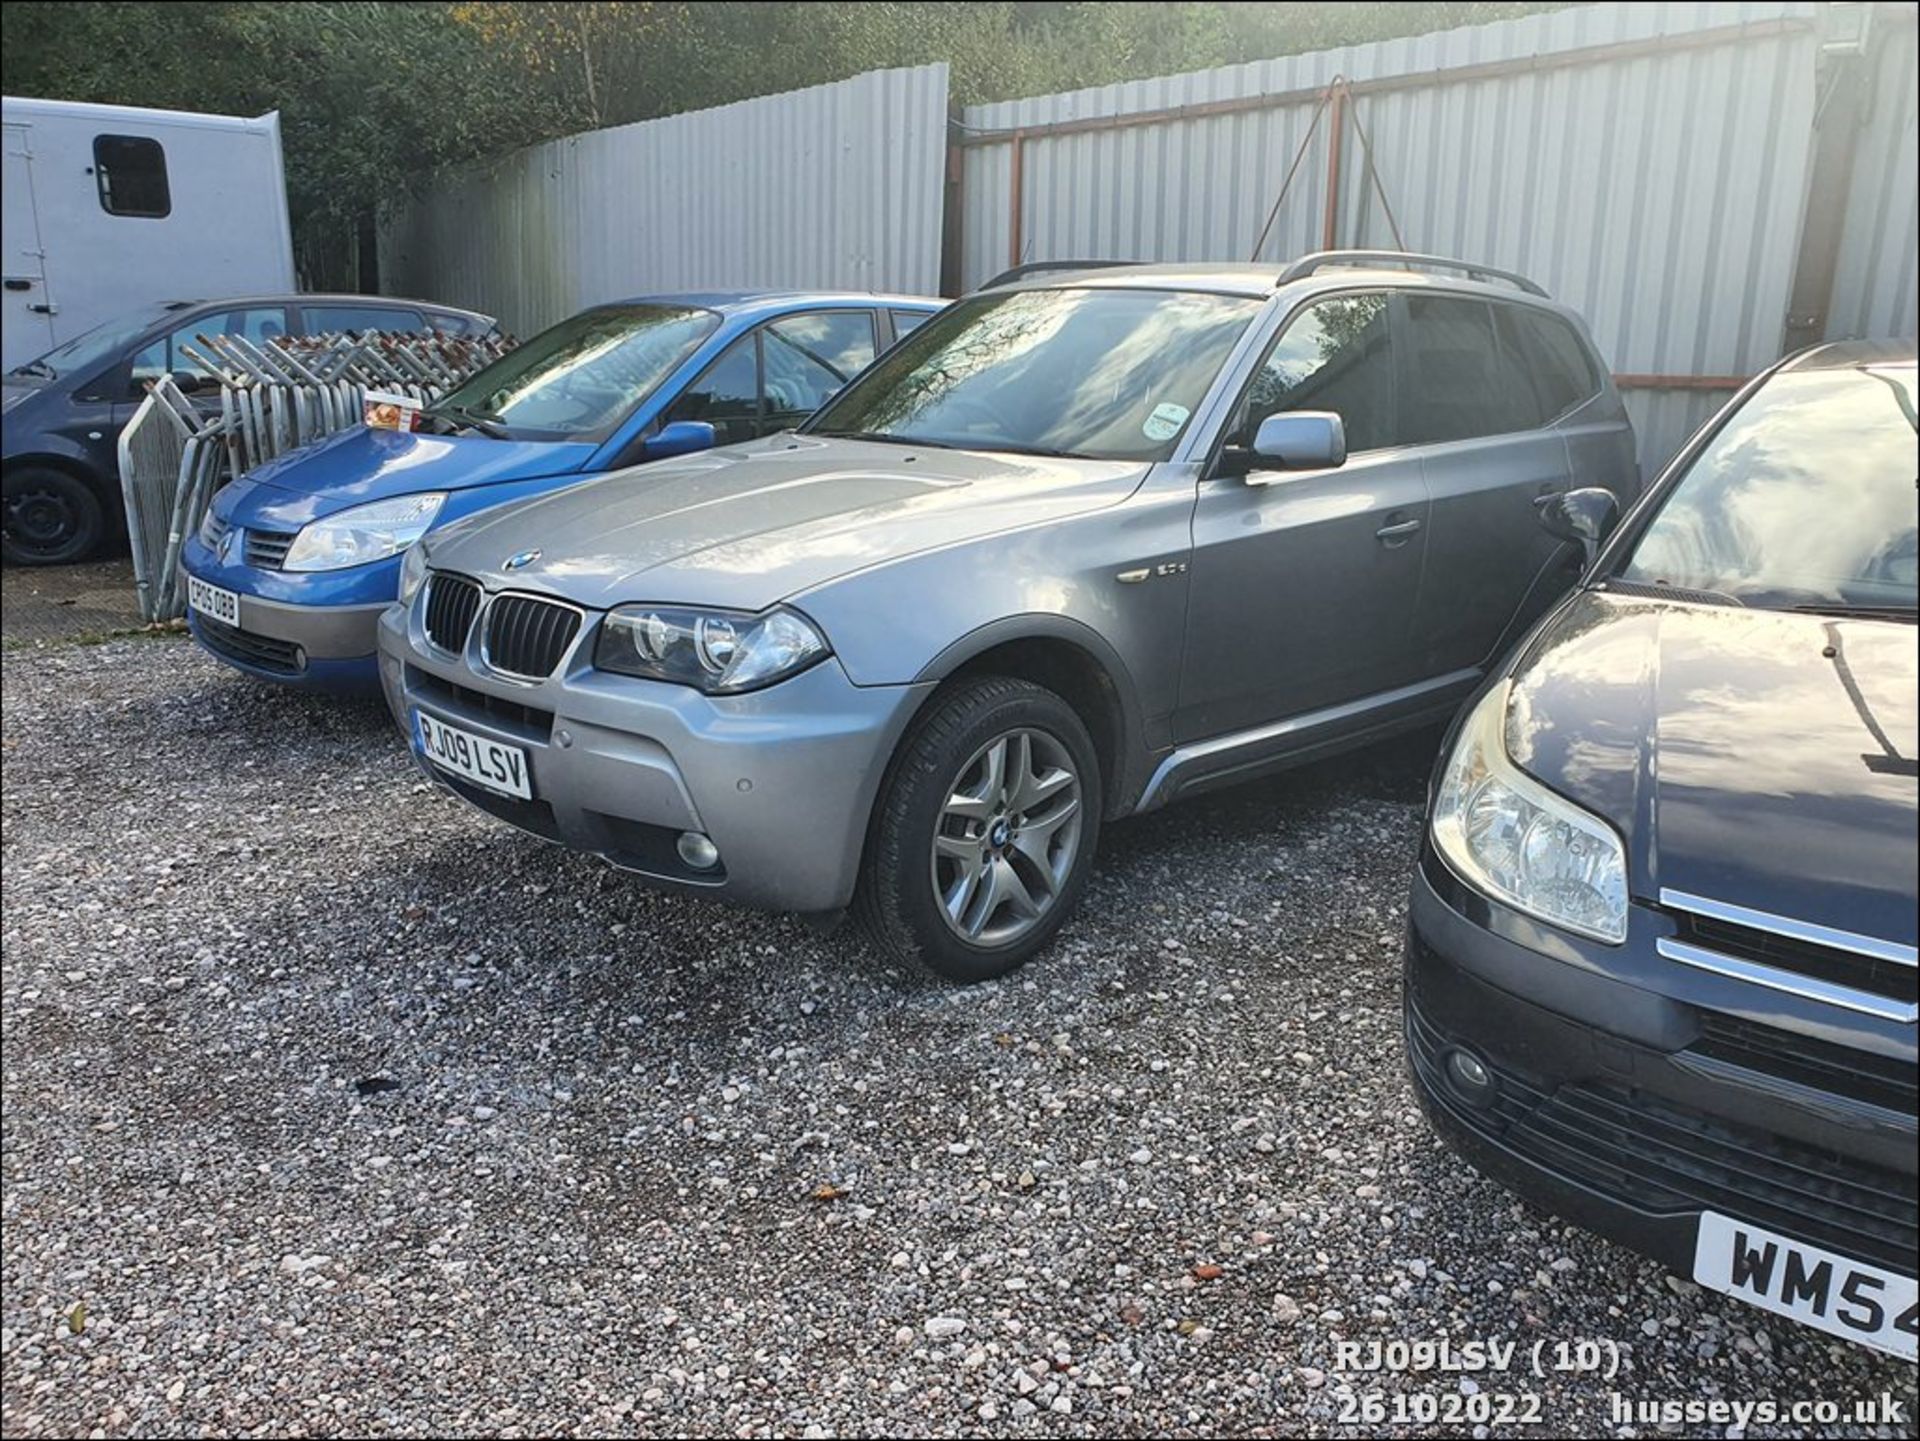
(1507, 835)
(719, 652)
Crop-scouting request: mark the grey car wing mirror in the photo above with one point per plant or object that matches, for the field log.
(1586, 516)
(1301, 440)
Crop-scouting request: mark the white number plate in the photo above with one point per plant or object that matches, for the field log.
(1790, 1278)
(210, 600)
(492, 764)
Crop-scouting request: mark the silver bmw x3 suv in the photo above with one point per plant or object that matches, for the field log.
(1080, 545)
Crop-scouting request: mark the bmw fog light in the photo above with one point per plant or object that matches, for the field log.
(697, 851)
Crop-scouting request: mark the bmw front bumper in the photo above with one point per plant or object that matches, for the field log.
(781, 780)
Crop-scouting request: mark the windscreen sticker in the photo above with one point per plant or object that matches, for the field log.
(1165, 422)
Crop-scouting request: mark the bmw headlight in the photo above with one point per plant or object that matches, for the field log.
(363, 533)
(1507, 835)
(719, 652)
(413, 571)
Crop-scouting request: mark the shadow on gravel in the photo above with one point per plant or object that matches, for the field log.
(487, 947)
(542, 918)
(250, 715)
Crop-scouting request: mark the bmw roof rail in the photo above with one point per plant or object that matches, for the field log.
(1044, 267)
(1307, 264)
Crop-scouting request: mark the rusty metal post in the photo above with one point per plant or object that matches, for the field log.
(953, 232)
(1018, 162)
(1330, 226)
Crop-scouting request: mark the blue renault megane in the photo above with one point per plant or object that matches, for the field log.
(296, 559)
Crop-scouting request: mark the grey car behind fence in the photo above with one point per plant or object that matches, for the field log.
(273, 398)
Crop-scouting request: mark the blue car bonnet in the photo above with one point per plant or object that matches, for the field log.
(360, 465)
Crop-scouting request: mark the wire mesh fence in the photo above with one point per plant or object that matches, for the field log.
(179, 448)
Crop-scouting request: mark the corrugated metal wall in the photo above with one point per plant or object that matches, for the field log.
(835, 187)
(1647, 163)
(1874, 289)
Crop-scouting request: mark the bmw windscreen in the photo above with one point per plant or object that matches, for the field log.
(1097, 374)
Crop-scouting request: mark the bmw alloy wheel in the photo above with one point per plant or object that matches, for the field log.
(1007, 837)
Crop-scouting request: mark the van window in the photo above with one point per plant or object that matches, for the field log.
(445, 323)
(325, 319)
(1336, 355)
(1547, 361)
(165, 355)
(131, 172)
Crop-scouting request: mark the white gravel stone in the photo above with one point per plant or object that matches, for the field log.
(703, 1169)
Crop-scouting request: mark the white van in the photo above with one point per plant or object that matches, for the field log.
(108, 208)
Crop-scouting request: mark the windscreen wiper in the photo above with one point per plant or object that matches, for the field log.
(473, 420)
(884, 438)
(1845, 610)
(1013, 447)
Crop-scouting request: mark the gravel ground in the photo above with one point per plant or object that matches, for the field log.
(333, 1107)
(48, 604)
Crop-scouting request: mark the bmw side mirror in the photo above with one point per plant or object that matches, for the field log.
(681, 437)
(1586, 517)
(1301, 440)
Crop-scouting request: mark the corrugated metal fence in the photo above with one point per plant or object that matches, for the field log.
(1649, 164)
(838, 186)
(1874, 289)
(1654, 165)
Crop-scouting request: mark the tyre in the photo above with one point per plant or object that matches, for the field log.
(984, 830)
(50, 517)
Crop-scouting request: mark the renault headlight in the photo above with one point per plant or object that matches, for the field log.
(364, 533)
(413, 571)
(1507, 835)
(719, 652)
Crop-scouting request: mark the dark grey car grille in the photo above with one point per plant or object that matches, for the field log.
(527, 636)
(1857, 973)
(1663, 1157)
(266, 549)
(452, 603)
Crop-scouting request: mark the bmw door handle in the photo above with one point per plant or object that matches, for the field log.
(1396, 533)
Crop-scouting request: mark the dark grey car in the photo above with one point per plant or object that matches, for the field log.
(1077, 547)
(65, 409)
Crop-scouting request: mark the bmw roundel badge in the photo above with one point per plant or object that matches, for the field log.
(522, 560)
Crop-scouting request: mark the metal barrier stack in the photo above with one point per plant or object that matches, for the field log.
(178, 449)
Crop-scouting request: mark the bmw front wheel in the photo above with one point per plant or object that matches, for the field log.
(984, 831)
